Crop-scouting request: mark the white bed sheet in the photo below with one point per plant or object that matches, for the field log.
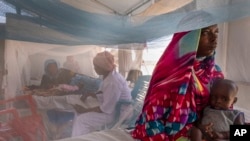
(106, 135)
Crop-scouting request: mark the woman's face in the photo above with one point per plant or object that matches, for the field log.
(52, 69)
(208, 41)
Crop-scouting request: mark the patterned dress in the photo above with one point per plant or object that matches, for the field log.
(178, 91)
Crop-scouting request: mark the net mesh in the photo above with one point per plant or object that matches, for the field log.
(66, 30)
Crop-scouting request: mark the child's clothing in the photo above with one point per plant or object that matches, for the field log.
(221, 119)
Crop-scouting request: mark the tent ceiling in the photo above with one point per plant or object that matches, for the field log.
(120, 7)
(127, 7)
(105, 22)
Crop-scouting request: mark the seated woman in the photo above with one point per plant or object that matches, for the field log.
(53, 76)
(179, 88)
(91, 118)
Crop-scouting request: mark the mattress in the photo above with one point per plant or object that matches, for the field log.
(106, 135)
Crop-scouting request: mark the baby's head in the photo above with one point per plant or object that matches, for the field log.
(223, 94)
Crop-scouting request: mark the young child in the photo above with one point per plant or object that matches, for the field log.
(218, 117)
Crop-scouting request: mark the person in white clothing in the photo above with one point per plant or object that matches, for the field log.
(113, 88)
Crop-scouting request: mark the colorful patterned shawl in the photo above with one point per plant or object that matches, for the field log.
(178, 90)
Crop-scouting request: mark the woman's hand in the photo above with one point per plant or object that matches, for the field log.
(79, 109)
(85, 96)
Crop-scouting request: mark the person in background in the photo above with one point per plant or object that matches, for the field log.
(72, 64)
(179, 87)
(133, 76)
(53, 75)
(219, 115)
(113, 88)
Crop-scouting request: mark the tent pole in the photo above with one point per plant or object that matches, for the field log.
(137, 7)
(2, 69)
(100, 3)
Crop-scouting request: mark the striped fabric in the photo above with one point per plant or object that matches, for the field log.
(178, 91)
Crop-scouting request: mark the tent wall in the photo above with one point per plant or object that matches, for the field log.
(232, 56)
(237, 64)
(238, 50)
(2, 33)
(222, 46)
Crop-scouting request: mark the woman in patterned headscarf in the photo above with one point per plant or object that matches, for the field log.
(179, 88)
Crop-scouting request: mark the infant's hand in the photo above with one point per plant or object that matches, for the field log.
(220, 135)
(207, 130)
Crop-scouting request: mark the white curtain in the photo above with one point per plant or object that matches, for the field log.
(24, 61)
(125, 60)
(233, 57)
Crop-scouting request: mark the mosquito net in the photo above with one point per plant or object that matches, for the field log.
(40, 36)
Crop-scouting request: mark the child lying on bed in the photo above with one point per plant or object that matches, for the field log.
(218, 117)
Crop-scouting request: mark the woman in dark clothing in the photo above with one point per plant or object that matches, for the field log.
(54, 76)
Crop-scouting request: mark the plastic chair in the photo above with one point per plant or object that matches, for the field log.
(28, 127)
(138, 94)
(139, 85)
